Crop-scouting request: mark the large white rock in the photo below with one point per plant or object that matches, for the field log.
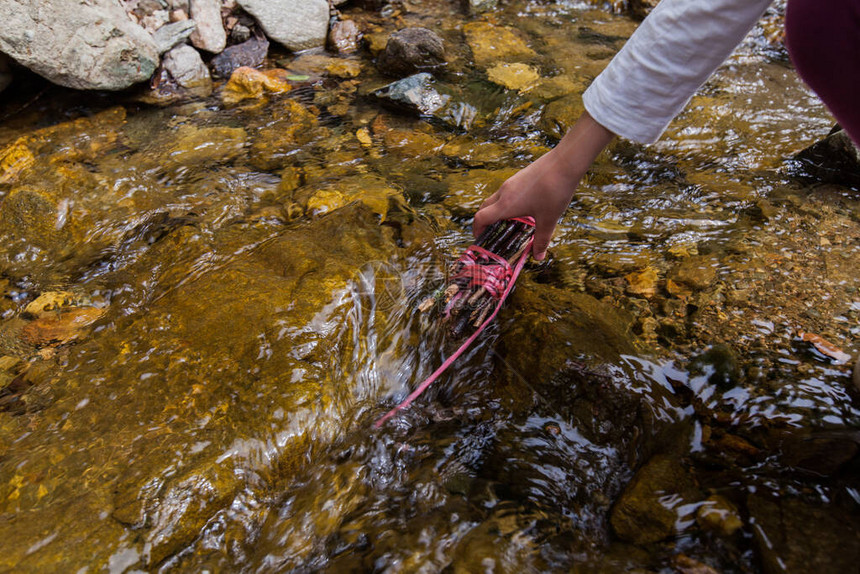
(80, 44)
(210, 34)
(297, 24)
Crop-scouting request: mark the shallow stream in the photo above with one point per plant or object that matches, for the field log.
(205, 307)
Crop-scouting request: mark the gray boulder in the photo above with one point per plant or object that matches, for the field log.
(297, 24)
(210, 34)
(186, 67)
(173, 34)
(92, 45)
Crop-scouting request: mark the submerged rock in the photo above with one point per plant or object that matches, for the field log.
(420, 94)
(825, 452)
(518, 76)
(649, 507)
(93, 46)
(792, 535)
(33, 215)
(61, 327)
(292, 125)
(559, 115)
(183, 510)
(411, 50)
(15, 159)
(475, 152)
(468, 189)
(411, 143)
(697, 272)
(492, 44)
(835, 159)
(248, 83)
(250, 53)
(379, 195)
(297, 24)
(195, 146)
(719, 365)
(718, 514)
(343, 68)
(478, 6)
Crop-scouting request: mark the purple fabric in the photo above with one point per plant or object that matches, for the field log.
(823, 40)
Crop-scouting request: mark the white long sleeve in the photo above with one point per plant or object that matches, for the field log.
(675, 49)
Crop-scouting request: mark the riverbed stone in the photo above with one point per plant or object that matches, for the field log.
(94, 46)
(416, 93)
(344, 69)
(411, 143)
(48, 302)
(640, 516)
(718, 514)
(834, 159)
(172, 34)
(479, 6)
(206, 145)
(296, 24)
(642, 282)
(250, 53)
(639, 9)
(379, 195)
(291, 125)
(476, 152)
(411, 50)
(786, 531)
(517, 76)
(491, 43)
(823, 453)
(584, 327)
(247, 83)
(60, 327)
(186, 66)
(31, 214)
(344, 37)
(697, 272)
(184, 509)
(420, 94)
(559, 115)
(15, 159)
(719, 365)
(209, 35)
(468, 189)
(556, 87)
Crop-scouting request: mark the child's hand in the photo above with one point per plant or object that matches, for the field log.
(544, 188)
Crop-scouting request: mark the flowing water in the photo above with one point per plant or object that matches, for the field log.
(205, 307)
